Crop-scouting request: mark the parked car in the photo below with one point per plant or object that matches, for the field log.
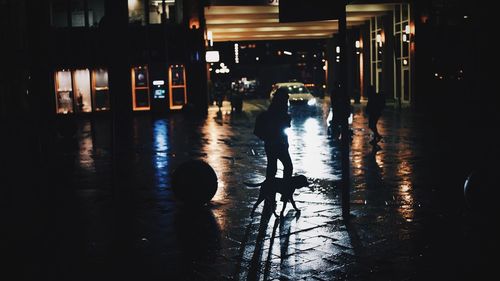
(247, 88)
(297, 92)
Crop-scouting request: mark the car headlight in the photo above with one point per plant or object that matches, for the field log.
(311, 102)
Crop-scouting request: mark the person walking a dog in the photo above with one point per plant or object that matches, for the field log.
(270, 126)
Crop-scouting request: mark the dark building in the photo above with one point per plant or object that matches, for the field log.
(159, 50)
(97, 55)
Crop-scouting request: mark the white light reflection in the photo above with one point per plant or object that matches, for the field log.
(307, 149)
(160, 158)
(217, 154)
(85, 156)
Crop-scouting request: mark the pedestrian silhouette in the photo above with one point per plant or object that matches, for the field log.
(270, 126)
(341, 110)
(374, 108)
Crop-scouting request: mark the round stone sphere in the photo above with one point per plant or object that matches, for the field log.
(194, 182)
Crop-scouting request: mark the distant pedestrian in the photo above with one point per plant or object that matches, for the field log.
(374, 108)
(341, 111)
(270, 127)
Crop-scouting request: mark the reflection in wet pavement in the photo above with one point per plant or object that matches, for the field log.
(222, 241)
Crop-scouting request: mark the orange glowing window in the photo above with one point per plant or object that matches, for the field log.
(140, 88)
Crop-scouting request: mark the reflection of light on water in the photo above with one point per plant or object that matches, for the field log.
(218, 156)
(85, 158)
(215, 152)
(379, 158)
(357, 154)
(160, 159)
(405, 189)
(311, 126)
(307, 149)
(288, 132)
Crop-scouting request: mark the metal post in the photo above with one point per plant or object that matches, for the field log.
(342, 90)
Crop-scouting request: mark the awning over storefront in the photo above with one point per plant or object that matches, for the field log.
(248, 23)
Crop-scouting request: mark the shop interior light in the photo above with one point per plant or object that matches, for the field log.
(236, 53)
(337, 49)
(210, 38)
(407, 29)
(223, 68)
(357, 44)
(379, 40)
(288, 53)
(212, 56)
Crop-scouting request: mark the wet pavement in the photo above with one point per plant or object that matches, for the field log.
(111, 214)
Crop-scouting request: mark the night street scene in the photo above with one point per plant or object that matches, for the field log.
(249, 140)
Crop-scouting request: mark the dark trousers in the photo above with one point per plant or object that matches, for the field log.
(275, 152)
(372, 124)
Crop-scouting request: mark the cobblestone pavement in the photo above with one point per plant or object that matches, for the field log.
(112, 215)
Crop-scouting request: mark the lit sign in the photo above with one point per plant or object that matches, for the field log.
(212, 56)
(159, 94)
(159, 91)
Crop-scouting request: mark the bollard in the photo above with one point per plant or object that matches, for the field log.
(194, 182)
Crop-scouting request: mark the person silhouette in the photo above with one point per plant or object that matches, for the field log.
(276, 141)
(374, 107)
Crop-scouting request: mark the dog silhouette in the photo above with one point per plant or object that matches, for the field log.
(285, 187)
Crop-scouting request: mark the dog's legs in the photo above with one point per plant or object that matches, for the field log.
(259, 200)
(283, 209)
(269, 205)
(274, 208)
(293, 204)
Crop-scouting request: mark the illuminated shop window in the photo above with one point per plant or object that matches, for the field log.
(161, 8)
(136, 12)
(64, 92)
(402, 47)
(158, 11)
(100, 90)
(140, 88)
(177, 85)
(82, 90)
